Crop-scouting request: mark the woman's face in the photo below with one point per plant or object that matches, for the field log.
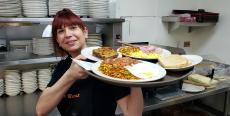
(72, 38)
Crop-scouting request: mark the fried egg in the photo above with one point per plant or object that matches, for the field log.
(137, 70)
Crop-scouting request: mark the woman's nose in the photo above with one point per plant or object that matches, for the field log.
(67, 33)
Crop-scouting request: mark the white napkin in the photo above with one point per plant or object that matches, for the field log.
(84, 64)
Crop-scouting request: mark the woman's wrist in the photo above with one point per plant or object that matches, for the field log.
(70, 76)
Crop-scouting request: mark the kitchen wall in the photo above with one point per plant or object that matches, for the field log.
(143, 23)
(140, 19)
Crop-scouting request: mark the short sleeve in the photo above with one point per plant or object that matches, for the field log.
(59, 70)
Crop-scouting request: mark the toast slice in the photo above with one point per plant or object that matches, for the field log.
(174, 61)
(105, 52)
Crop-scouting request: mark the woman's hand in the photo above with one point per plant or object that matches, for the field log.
(75, 71)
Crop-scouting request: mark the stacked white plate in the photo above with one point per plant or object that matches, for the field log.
(56, 5)
(42, 46)
(44, 76)
(10, 8)
(34, 8)
(1, 87)
(12, 82)
(74, 5)
(29, 81)
(99, 8)
(84, 5)
(94, 40)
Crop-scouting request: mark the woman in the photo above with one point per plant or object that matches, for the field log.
(71, 89)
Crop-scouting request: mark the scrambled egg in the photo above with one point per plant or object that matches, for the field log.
(141, 54)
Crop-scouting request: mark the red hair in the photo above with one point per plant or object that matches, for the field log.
(64, 17)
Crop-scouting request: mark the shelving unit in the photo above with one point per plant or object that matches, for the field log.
(174, 23)
(30, 59)
(111, 28)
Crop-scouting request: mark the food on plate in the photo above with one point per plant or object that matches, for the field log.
(128, 49)
(201, 80)
(105, 52)
(141, 52)
(174, 61)
(137, 70)
(151, 49)
(116, 68)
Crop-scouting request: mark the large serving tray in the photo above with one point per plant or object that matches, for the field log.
(170, 78)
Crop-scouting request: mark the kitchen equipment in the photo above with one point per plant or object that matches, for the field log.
(21, 45)
(42, 46)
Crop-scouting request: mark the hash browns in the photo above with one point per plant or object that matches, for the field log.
(115, 68)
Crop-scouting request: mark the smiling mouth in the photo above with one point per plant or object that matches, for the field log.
(71, 42)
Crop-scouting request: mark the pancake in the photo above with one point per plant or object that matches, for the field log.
(174, 61)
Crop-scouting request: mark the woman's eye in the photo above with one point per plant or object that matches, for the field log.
(60, 31)
(73, 27)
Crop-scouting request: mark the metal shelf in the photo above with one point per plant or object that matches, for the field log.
(49, 20)
(15, 60)
(174, 23)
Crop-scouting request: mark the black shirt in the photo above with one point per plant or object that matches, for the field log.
(87, 97)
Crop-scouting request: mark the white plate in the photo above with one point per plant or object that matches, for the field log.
(192, 88)
(84, 64)
(158, 73)
(88, 53)
(195, 59)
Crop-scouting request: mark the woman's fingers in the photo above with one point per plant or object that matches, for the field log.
(80, 57)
